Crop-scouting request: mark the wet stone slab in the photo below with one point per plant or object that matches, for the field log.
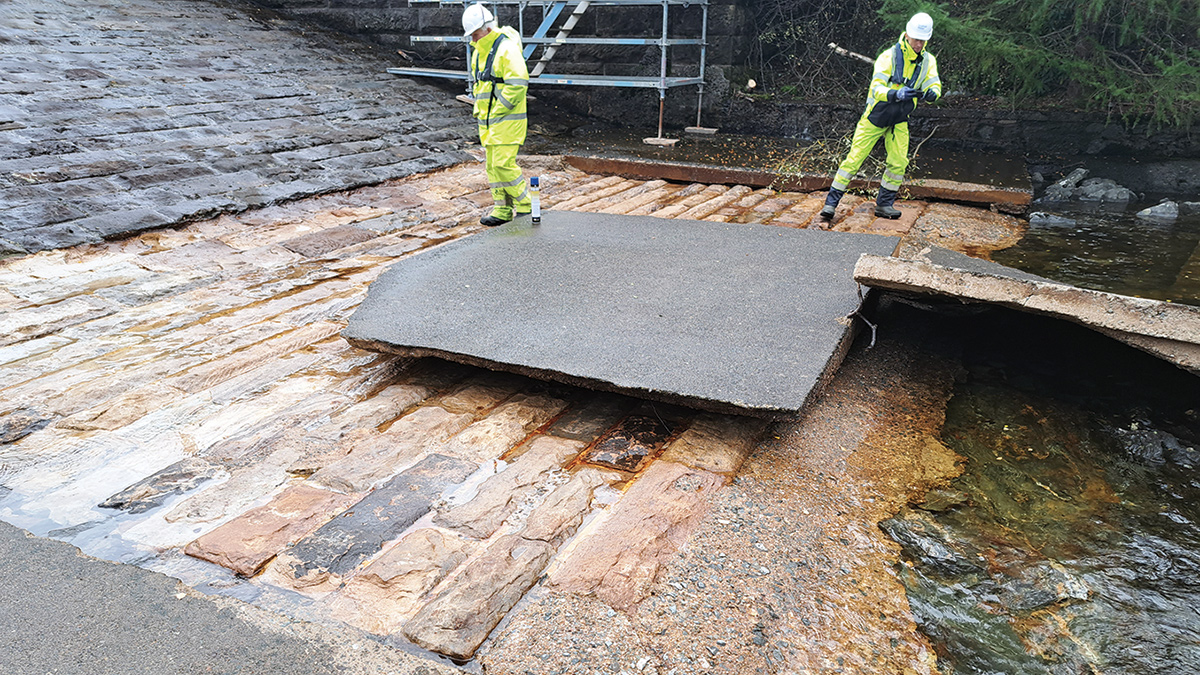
(586, 422)
(352, 537)
(734, 318)
(248, 542)
(627, 446)
(152, 491)
(459, 620)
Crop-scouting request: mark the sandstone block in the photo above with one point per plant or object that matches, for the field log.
(246, 543)
(245, 485)
(588, 421)
(652, 520)
(500, 495)
(378, 457)
(124, 409)
(390, 590)
(480, 394)
(339, 546)
(716, 443)
(458, 621)
(504, 428)
(560, 514)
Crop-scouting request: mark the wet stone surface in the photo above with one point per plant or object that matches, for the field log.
(151, 491)
(629, 444)
(180, 111)
(357, 534)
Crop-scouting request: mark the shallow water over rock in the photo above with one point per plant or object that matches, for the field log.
(1077, 548)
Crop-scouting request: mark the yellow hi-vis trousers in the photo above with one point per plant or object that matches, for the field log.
(509, 190)
(895, 141)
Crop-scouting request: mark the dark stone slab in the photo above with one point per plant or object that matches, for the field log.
(630, 443)
(20, 423)
(344, 542)
(748, 319)
(153, 490)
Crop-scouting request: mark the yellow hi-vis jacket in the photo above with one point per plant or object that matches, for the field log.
(918, 71)
(501, 82)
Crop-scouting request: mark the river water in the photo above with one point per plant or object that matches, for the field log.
(1071, 542)
(1112, 250)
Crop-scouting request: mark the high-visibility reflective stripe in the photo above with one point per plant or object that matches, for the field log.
(503, 101)
(524, 193)
(499, 202)
(844, 175)
(517, 82)
(894, 187)
(840, 184)
(509, 117)
(511, 183)
(893, 176)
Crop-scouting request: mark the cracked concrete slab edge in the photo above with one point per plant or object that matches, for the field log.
(1095, 309)
(600, 385)
(1182, 354)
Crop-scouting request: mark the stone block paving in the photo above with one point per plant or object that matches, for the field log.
(181, 399)
(118, 117)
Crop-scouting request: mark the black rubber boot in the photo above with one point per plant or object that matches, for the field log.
(883, 204)
(492, 221)
(831, 202)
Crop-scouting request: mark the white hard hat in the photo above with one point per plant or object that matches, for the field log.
(475, 17)
(920, 26)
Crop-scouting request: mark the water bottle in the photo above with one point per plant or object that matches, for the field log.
(536, 198)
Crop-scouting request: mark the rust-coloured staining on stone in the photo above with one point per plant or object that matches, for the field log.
(651, 522)
(246, 543)
(587, 421)
(628, 445)
(458, 620)
(389, 591)
(716, 443)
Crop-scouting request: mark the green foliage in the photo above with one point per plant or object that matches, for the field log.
(1135, 59)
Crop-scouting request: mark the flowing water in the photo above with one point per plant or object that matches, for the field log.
(1112, 250)
(1071, 543)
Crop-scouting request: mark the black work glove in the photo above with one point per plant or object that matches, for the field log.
(929, 96)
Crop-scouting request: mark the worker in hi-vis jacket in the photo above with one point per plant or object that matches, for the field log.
(904, 74)
(501, 81)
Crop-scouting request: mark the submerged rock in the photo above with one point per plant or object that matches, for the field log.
(154, 490)
(1166, 210)
(1050, 219)
(927, 542)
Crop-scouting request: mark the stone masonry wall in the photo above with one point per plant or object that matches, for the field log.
(391, 23)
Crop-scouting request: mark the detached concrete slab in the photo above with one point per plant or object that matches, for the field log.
(1167, 330)
(749, 319)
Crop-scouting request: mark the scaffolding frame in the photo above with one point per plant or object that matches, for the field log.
(551, 11)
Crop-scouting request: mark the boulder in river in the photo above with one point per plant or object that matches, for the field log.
(1163, 211)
